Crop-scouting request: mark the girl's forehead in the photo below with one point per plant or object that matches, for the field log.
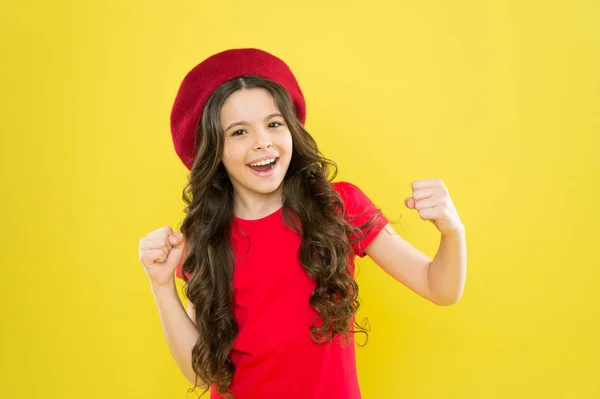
(248, 105)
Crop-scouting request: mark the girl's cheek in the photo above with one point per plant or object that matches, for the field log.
(289, 142)
(233, 154)
(239, 157)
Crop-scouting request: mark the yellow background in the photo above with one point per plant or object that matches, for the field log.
(500, 100)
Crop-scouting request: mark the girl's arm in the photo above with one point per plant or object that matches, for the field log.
(179, 329)
(440, 280)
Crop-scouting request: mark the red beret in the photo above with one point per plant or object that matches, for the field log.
(204, 78)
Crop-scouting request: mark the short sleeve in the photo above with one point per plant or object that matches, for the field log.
(359, 210)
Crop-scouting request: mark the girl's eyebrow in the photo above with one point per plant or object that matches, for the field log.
(246, 123)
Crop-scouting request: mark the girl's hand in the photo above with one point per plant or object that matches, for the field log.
(432, 200)
(160, 253)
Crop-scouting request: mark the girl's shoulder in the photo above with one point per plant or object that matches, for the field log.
(352, 196)
(344, 188)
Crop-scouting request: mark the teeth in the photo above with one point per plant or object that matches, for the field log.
(265, 162)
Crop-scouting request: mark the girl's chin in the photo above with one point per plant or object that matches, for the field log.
(264, 187)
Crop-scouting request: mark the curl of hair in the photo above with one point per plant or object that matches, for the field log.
(310, 205)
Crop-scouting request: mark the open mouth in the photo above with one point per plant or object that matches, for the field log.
(264, 166)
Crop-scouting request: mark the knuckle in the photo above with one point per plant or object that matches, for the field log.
(158, 231)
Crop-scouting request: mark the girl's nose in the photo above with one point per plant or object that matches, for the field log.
(263, 141)
(265, 146)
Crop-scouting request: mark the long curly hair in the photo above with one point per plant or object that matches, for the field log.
(310, 205)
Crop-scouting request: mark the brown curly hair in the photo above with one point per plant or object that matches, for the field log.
(310, 205)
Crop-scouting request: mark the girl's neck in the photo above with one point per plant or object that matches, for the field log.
(253, 205)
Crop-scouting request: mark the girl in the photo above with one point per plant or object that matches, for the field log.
(267, 246)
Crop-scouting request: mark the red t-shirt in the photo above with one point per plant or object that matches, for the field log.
(274, 354)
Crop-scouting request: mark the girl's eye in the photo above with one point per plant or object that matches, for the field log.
(275, 123)
(238, 133)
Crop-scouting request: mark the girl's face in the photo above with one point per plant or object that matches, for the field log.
(258, 144)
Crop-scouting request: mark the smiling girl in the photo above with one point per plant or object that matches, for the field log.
(267, 246)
